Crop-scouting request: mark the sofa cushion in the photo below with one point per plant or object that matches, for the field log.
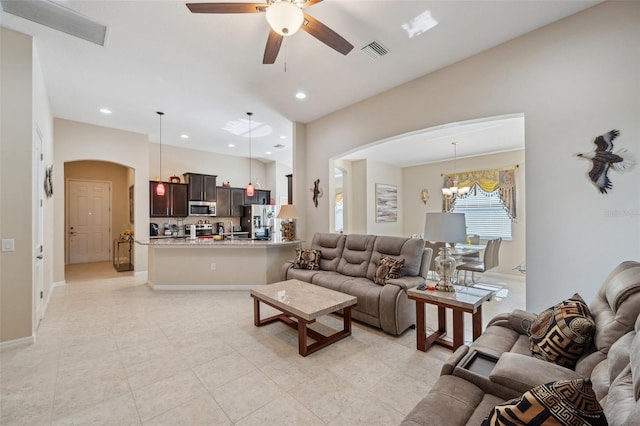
(331, 246)
(330, 279)
(562, 333)
(566, 402)
(305, 275)
(307, 259)
(389, 268)
(356, 255)
(367, 292)
(408, 249)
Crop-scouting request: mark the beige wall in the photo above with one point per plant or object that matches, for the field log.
(16, 183)
(108, 172)
(573, 80)
(512, 253)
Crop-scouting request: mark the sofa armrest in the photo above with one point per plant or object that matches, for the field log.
(518, 320)
(453, 360)
(522, 372)
(406, 282)
(284, 271)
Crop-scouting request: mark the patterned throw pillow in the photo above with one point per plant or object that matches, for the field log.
(565, 402)
(307, 259)
(389, 268)
(562, 333)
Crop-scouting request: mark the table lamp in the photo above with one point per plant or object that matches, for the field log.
(445, 228)
(288, 212)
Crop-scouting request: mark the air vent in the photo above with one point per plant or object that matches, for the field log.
(278, 146)
(58, 17)
(375, 49)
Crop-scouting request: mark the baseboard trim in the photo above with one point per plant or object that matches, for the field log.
(201, 287)
(24, 341)
(59, 284)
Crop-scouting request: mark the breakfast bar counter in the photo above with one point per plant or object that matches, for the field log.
(207, 264)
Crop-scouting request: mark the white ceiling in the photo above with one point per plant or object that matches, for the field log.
(205, 71)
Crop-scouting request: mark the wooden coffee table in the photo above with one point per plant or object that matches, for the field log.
(465, 299)
(301, 304)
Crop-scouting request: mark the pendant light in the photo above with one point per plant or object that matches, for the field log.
(160, 189)
(249, 190)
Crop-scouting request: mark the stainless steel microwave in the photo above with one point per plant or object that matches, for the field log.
(202, 208)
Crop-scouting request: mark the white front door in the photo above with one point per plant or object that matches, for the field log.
(89, 221)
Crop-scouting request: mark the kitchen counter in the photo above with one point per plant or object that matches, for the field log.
(207, 264)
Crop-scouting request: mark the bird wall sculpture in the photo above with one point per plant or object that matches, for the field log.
(603, 159)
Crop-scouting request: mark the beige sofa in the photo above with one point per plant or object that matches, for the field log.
(348, 264)
(613, 363)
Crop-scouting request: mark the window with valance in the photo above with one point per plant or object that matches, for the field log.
(501, 181)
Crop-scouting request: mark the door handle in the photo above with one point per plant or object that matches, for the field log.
(40, 257)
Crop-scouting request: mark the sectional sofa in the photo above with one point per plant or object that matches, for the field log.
(611, 363)
(348, 263)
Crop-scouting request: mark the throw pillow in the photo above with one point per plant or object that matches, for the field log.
(562, 333)
(565, 402)
(307, 259)
(388, 268)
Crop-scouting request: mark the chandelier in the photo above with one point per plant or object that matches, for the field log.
(454, 191)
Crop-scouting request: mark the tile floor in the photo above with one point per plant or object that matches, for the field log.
(112, 351)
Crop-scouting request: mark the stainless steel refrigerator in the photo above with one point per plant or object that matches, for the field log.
(258, 221)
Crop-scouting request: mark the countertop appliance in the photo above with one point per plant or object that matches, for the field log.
(257, 220)
(154, 229)
(202, 208)
(202, 230)
(220, 228)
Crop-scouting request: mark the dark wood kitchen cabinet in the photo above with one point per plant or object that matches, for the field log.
(174, 203)
(260, 196)
(229, 201)
(201, 187)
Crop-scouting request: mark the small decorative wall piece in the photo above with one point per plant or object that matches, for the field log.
(48, 181)
(603, 158)
(424, 195)
(386, 203)
(317, 192)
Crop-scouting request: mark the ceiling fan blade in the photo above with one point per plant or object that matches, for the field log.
(227, 7)
(326, 35)
(272, 48)
(310, 3)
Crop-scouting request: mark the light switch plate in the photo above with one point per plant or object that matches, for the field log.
(8, 244)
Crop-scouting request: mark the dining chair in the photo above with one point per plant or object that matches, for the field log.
(490, 260)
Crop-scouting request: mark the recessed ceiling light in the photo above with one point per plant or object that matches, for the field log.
(105, 111)
(184, 136)
(231, 145)
(301, 95)
(268, 152)
(283, 137)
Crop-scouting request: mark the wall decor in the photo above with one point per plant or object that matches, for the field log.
(131, 209)
(603, 159)
(424, 195)
(317, 192)
(386, 203)
(48, 181)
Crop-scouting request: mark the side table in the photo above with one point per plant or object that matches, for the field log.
(465, 299)
(123, 254)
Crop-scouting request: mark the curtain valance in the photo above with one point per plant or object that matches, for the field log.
(502, 180)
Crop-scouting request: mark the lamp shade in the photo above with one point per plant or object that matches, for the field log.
(284, 17)
(287, 211)
(445, 228)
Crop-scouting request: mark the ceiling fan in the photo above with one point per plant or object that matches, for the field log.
(285, 18)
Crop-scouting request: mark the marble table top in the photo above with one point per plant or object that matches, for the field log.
(302, 299)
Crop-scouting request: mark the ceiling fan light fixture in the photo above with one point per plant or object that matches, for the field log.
(284, 17)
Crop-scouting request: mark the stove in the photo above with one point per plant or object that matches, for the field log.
(202, 229)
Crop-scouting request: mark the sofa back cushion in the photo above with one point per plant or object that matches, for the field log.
(356, 255)
(615, 310)
(330, 246)
(408, 249)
